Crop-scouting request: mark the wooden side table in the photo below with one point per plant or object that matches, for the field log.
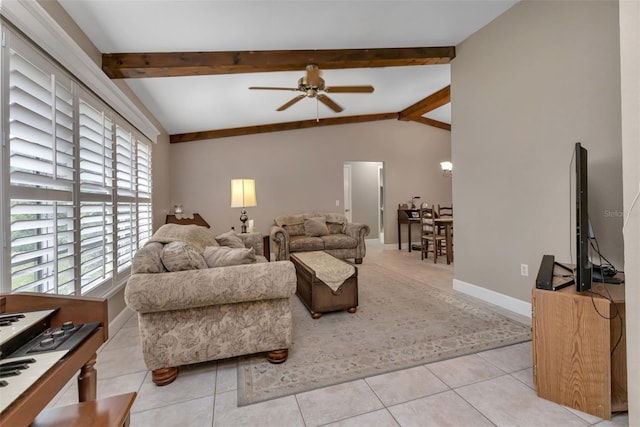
(579, 348)
(108, 412)
(266, 246)
(197, 220)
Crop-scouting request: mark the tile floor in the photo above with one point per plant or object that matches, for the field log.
(485, 389)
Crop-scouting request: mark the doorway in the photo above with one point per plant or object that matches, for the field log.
(364, 195)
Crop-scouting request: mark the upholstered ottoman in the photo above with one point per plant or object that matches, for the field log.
(325, 283)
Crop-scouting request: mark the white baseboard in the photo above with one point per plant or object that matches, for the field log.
(501, 300)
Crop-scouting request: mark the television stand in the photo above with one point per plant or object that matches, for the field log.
(577, 358)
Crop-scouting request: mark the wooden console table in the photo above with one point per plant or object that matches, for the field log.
(579, 354)
(407, 216)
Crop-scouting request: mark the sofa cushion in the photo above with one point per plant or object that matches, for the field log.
(305, 243)
(223, 256)
(230, 239)
(147, 259)
(179, 256)
(315, 227)
(339, 241)
(197, 236)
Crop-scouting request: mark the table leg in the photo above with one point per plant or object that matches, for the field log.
(409, 235)
(449, 238)
(399, 237)
(87, 381)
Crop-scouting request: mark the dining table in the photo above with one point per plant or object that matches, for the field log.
(447, 224)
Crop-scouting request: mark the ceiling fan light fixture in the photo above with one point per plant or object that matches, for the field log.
(312, 84)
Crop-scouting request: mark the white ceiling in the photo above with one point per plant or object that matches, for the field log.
(200, 103)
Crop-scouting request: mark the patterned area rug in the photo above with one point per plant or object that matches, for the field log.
(400, 323)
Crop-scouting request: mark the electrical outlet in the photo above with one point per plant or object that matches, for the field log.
(337, 202)
(524, 270)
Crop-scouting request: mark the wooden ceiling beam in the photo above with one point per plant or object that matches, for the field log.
(174, 64)
(277, 127)
(431, 102)
(431, 122)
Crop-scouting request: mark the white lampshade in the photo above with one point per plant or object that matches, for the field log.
(243, 193)
(446, 166)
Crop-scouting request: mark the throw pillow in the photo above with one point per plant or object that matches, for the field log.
(147, 259)
(224, 256)
(230, 239)
(315, 227)
(336, 223)
(180, 256)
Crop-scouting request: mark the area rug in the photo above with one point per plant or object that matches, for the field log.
(400, 323)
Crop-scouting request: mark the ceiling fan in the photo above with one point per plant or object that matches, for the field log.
(312, 85)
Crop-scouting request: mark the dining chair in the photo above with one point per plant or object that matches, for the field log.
(445, 211)
(431, 240)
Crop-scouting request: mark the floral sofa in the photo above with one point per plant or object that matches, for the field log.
(315, 231)
(202, 297)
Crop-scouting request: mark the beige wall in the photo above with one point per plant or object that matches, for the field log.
(630, 82)
(301, 170)
(160, 168)
(525, 88)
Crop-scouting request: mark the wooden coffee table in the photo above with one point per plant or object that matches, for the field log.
(317, 296)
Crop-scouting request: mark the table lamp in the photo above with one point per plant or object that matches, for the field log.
(243, 195)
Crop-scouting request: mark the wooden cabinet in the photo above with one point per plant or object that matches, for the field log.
(579, 348)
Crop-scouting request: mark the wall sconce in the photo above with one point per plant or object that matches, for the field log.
(447, 168)
(243, 195)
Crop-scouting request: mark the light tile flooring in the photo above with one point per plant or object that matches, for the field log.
(485, 389)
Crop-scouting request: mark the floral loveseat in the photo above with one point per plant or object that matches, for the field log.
(314, 231)
(190, 313)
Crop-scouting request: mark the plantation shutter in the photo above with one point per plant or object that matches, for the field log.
(76, 180)
(41, 176)
(145, 220)
(96, 193)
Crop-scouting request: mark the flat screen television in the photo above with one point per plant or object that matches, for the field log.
(583, 264)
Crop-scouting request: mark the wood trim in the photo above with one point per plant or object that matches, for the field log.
(173, 64)
(277, 127)
(431, 122)
(431, 102)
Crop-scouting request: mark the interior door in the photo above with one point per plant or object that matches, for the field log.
(381, 202)
(347, 191)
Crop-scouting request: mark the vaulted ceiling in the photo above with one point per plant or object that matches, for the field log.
(192, 62)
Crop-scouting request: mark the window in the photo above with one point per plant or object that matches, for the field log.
(78, 181)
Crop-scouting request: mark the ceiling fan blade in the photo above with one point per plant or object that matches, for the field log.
(290, 103)
(349, 89)
(272, 88)
(329, 103)
(313, 75)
